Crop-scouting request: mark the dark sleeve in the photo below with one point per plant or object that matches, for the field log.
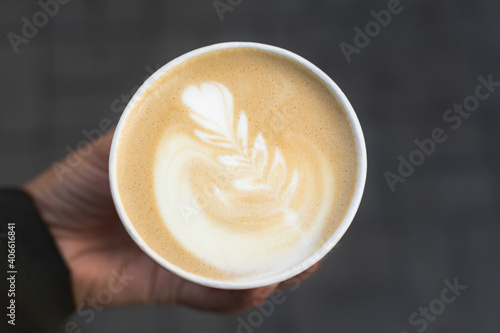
(35, 280)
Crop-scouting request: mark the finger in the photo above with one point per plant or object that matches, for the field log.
(100, 148)
(295, 281)
(103, 144)
(221, 300)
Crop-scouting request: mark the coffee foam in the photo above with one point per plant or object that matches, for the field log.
(236, 164)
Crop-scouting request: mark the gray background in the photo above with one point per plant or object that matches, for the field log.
(442, 223)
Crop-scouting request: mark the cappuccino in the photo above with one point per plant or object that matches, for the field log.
(236, 164)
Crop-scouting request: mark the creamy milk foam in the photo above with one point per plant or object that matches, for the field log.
(237, 164)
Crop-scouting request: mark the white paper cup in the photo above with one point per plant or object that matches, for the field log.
(292, 271)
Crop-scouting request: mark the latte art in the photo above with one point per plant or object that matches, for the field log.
(212, 108)
(236, 165)
(245, 222)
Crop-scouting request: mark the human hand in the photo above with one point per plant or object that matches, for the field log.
(77, 206)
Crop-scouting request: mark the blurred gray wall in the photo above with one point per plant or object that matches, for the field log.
(441, 223)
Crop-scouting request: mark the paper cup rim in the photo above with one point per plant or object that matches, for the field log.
(296, 269)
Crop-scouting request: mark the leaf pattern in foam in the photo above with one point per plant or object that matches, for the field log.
(213, 139)
(212, 108)
(242, 133)
(234, 161)
(259, 154)
(277, 173)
